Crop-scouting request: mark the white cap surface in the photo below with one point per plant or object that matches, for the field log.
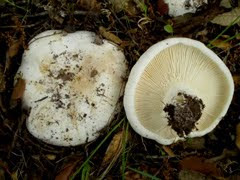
(181, 7)
(73, 84)
(167, 68)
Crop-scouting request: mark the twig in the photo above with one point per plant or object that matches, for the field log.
(225, 154)
(45, 13)
(120, 22)
(194, 22)
(23, 26)
(13, 4)
(22, 120)
(84, 13)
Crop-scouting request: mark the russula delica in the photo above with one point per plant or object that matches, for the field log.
(178, 88)
(73, 85)
(181, 7)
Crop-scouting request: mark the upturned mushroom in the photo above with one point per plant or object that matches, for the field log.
(73, 85)
(178, 88)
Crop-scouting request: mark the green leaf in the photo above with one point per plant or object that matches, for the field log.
(168, 28)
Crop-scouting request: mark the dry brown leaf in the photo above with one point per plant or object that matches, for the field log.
(88, 4)
(221, 44)
(236, 79)
(114, 148)
(226, 19)
(225, 154)
(109, 36)
(188, 175)
(14, 175)
(19, 89)
(12, 51)
(238, 136)
(55, 14)
(130, 175)
(128, 6)
(195, 143)
(2, 176)
(14, 48)
(66, 172)
(200, 164)
(168, 151)
(2, 80)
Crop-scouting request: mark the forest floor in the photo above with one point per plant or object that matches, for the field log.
(135, 26)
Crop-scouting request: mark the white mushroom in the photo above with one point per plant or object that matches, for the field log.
(73, 85)
(184, 75)
(181, 7)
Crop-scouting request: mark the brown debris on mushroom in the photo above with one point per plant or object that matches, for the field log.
(184, 113)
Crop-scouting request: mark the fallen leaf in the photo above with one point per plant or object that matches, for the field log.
(12, 51)
(225, 3)
(124, 5)
(2, 80)
(200, 164)
(225, 154)
(14, 175)
(19, 89)
(109, 36)
(168, 151)
(2, 176)
(51, 157)
(238, 136)
(2, 105)
(88, 4)
(130, 175)
(66, 172)
(55, 14)
(118, 5)
(236, 79)
(186, 175)
(168, 169)
(4, 166)
(14, 48)
(221, 44)
(195, 143)
(226, 18)
(114, 148)
(234, 177)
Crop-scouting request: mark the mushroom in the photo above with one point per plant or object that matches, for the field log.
(181, 7)
(73, 85)
(178, 88)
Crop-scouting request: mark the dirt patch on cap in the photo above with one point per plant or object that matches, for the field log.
(183, 113)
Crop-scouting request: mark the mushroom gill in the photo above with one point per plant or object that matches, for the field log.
(178, 75)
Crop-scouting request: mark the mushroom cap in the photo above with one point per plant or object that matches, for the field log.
(73, 85)
(167, 68)
(181, 7)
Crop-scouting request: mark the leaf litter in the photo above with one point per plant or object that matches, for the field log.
(135, 26)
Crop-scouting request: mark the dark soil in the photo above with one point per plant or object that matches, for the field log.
(183, 115)
(134, 29)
